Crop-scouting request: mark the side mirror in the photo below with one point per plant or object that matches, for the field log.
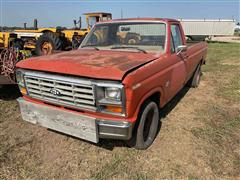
(181, 48)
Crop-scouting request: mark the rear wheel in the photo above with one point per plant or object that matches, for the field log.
(195, 80)
(147, 126)
(47, 43)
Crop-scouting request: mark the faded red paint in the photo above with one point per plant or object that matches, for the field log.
(163, 73)
(88, 63)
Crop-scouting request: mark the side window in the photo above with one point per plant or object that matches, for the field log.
(176, 35)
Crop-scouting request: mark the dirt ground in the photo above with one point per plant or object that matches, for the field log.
(199, 137)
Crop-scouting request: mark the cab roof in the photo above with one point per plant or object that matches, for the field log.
(94, 13)
(141, 19)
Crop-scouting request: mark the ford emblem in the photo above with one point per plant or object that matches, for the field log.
(55, 92)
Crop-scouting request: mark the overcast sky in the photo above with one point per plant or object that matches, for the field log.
(62, 12)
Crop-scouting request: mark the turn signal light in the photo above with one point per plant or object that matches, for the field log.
(115, 109)
(23, 90)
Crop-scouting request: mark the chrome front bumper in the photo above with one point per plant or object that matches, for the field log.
(78, 125)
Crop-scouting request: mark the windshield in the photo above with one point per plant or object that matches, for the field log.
(127, 36)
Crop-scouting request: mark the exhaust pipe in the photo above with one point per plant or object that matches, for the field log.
(25, 25)
(35, 24)
(80, 22)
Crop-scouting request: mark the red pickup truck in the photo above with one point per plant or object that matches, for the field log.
(114, 85)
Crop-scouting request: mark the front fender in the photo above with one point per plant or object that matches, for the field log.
(134, 112)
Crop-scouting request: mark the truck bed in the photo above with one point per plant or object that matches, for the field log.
(192, 44)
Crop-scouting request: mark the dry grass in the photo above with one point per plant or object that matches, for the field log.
(199, 138)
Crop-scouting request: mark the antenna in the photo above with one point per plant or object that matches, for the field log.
(35, 24)
(121, 14)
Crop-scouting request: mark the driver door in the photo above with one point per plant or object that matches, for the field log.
(179, 65)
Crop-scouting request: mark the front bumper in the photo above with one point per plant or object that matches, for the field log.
(73, 123)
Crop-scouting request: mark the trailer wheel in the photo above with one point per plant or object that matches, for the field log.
(47, 43)
(147, 127)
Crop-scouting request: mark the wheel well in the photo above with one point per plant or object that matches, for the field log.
(202, 61)
(155, 97)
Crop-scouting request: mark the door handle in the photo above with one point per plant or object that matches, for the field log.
(185, 57)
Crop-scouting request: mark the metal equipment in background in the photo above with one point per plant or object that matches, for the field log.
(8, 59)
(43, 41)
(23, 43)
(200, 29)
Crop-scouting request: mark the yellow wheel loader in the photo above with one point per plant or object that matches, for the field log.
(45, 40)
(23, 43)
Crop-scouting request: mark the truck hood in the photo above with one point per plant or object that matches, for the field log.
(101, 64)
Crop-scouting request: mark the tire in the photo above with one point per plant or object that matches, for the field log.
(132, 39)
(76, 42)
(147, 127)
(18, 44)
(52, 40)
(195, 80)
(81, 39)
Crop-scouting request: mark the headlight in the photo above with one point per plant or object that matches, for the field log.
(110, 98)
(19, 77)
(20, 81)
(113, 93)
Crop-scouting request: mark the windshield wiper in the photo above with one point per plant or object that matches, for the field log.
(129, 47)
(92, 46)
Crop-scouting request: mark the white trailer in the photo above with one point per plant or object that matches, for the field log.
(206, 28)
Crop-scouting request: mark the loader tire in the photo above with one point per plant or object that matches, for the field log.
(132, 39)
(47, 43)
(18, 44)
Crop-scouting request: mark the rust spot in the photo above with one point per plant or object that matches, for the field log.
(101, 61)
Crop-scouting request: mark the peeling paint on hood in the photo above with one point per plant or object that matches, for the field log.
(103, 64)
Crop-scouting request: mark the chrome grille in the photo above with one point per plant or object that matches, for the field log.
(74, 92)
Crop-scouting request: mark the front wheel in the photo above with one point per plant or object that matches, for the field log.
(147, 128)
